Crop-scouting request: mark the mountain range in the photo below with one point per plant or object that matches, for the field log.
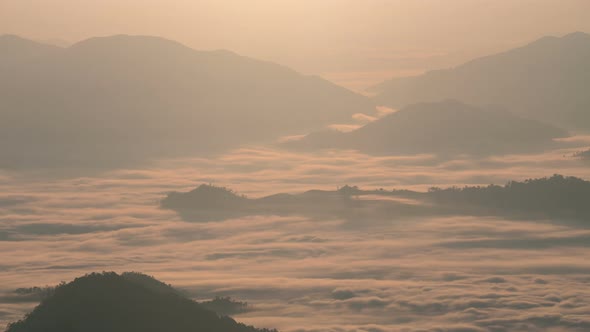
(546, 80)
(118, 99)
(123, 100)
(559, 198)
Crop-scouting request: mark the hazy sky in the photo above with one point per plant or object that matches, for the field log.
(354, 42)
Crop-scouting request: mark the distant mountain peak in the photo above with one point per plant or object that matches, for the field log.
(122, 41)
(574, 37)
(10, 39)
(577, 35)
(545, 80)
(126, 38)
(15, 49)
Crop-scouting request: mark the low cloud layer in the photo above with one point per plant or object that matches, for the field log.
(407, 274)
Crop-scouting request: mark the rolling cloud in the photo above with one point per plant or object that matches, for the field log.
(432, 274)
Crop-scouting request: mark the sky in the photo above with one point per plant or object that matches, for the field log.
(355, 43)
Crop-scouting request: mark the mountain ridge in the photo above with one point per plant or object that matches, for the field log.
(119, 100)
(544, 80)
(111, 302)
(444, 128)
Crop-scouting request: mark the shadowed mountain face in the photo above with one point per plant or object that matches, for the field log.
(108, 101)
(557, 197)
(444, 128)
(547, 80)
(111, 302)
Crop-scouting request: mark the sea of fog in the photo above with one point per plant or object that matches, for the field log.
(405, 274)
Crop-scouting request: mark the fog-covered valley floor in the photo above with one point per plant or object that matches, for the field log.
(451, 273)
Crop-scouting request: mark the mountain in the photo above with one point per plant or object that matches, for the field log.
(15, 50)
(207, 196)
(112, 302)
(443, 128)
(111, 100)
(546, 80)
(558, 198)
(212, 204)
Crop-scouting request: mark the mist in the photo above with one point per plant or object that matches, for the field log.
(296, 166)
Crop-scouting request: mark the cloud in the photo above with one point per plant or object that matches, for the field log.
(344, 127)
(405, 274)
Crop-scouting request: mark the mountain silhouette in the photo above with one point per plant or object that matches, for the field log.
(559, 198)
(211, 203)
(444, 128)
(16, 50)
(545, 80)
(111, 100)
(112, 302)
